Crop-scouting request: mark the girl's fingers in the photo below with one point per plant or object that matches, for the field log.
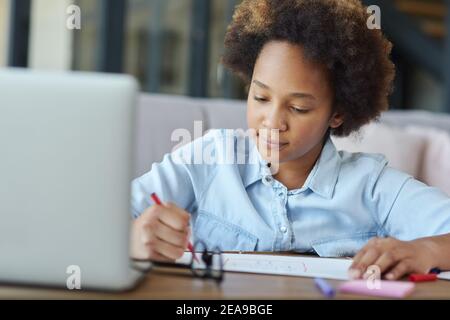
(360, 267)
(398, 271)
(383, 263)
(156, 256)
(172, 236)
(167, 250)
(174, 218)
(357, 258)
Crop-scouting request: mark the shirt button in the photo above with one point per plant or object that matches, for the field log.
(267, 179)
(283, 229)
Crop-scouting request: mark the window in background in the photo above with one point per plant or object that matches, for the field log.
(170, 46)
(86, 40)
(159, 40)
(157, 44)
(50, 39)
(425, 92)
(221, 82)
(4, 31)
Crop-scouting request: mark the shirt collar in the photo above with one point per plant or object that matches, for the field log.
(255, 169)
(321, 180)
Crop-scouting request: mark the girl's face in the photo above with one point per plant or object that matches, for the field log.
(292, 95)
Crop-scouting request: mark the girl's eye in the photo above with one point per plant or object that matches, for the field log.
(298, 110)
(260, 99)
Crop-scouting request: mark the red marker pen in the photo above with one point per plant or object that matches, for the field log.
(417, 277)
(190, 246)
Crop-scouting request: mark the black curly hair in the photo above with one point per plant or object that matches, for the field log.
(333, 33)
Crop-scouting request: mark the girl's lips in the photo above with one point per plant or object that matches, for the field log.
(273, 145)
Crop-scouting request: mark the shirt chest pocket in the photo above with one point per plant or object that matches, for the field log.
(217, 233)
(342, 246)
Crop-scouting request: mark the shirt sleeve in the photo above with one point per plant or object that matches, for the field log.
(179, 178)
(409, 209)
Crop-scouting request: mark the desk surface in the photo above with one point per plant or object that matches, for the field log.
(163, 285)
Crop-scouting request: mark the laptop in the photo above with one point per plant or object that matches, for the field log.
(66, 148)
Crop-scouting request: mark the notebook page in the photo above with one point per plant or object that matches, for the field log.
(300, 266)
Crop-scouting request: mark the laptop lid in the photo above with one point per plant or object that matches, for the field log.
(66, 166)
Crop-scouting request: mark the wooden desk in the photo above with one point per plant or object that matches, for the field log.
(161, 285)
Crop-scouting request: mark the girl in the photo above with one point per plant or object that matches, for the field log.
(314, 69)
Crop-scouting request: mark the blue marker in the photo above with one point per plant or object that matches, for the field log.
(327, 290)
(435, 270)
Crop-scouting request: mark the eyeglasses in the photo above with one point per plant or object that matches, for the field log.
(208, 265)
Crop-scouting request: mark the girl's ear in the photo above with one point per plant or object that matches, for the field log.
(336, 120)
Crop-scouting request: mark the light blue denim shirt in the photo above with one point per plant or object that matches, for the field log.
(347, 199)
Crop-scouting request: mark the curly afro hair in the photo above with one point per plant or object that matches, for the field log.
(331, 32)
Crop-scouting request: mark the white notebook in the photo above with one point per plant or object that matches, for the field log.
(301, 266)
(444, 275)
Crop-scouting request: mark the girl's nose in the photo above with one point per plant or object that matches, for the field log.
(275, 120)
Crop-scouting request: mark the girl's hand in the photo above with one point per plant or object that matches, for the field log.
(160, 233)
(394, 258)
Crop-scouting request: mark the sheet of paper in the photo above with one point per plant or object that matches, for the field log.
(328, 268)
(444, 275)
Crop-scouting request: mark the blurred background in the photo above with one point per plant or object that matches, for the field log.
(174, 46)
